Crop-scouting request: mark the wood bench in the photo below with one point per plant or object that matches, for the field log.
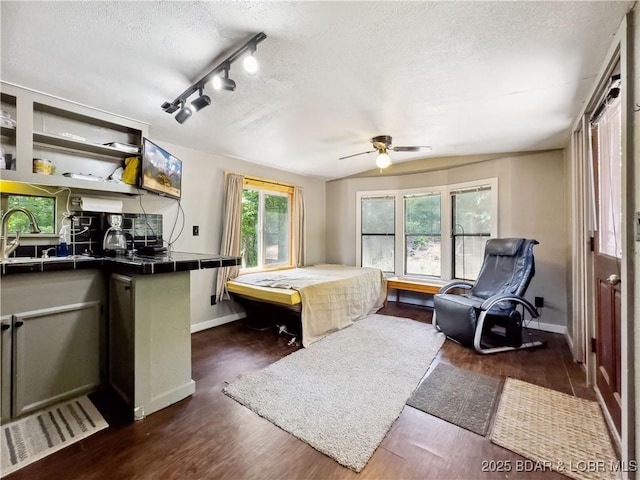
(411, 284)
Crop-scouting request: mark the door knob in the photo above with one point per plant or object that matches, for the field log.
(613, 279)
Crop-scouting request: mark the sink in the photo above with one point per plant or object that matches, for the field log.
(35, 259)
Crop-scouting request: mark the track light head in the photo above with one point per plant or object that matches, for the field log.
(201, 102)
(223, 83)
(184, 114)
(250, 64)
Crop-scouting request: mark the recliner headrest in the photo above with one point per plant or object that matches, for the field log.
(503, 246)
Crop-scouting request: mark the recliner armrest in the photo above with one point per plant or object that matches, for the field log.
(506, 297)
(455, 284)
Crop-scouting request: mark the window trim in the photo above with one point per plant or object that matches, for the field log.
(446, 208)
(262, 185)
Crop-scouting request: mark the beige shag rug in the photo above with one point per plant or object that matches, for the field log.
(555, 431)
(342, 393)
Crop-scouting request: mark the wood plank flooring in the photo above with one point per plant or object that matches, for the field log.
(210, 436)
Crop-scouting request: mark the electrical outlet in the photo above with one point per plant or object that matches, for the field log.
(539, 302)
(213, 299)
(196, 230)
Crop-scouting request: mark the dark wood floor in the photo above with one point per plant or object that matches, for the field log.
(210, 436)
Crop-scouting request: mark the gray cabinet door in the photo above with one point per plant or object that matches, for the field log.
(56, 354)
(5, 368)
(121, 340)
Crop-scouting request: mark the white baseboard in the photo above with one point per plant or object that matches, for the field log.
(569, 340)
(547, 327)
(216, 322)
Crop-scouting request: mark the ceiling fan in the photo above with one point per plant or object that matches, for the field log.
(382, 144)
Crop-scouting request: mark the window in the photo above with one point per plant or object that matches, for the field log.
(422, 234)
(378, 233)
(471, 230)
(401, 231)
(43, 209)
(266, 225)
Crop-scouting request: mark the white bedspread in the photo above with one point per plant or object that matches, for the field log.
(333, 296)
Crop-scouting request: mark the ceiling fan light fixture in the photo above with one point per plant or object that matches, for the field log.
(383, 160)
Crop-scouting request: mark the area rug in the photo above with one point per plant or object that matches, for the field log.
(31, 438)
(342, 394)
(458, 396)
(555, 430)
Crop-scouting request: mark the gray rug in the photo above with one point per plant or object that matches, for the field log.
(458, 396)
(342, 394)
(40, 434)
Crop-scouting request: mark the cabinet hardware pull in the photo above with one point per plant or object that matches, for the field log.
(19, 323)
(5, 326)
(127, 287)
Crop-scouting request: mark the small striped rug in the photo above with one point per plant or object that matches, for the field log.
(40, 434)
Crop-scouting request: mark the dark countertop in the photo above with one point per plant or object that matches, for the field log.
(125, 264)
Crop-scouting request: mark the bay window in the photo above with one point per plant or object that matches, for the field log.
(433, 231)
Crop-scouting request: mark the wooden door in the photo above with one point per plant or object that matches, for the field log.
(606, 142)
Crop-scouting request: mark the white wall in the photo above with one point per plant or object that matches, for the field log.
(202, 202)
(531, 204)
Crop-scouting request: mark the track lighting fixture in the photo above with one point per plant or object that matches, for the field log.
(223, 83)
(219, 76)
(201, 102)
(184, 114)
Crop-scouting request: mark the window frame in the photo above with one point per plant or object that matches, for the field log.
(446, 215)
(269, 187)
(395, 219)
(4, 207)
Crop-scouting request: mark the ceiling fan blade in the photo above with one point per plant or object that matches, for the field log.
(356, 154)
(415, 148)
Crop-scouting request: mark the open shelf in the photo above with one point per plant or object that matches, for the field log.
(60, 181)
(46, 139)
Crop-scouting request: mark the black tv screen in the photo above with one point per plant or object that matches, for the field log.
(161, 172)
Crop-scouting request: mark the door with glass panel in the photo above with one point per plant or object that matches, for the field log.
(607, 166)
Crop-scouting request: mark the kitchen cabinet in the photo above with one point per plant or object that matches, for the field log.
(150, 340)
(53, 339)
(76, 138)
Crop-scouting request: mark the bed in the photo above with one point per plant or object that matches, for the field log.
(322, 298)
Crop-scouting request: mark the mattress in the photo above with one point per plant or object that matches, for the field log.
(284, 296)
(332, 297)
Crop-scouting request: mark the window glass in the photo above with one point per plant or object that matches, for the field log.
(422, 234)
(266, 228)
(43, 209)
(378, 233)
(471, 230)
(276, 229)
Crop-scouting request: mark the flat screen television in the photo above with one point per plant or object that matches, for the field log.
(161, 172)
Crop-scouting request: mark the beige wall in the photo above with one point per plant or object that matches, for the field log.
(532, 204)
(202, 201)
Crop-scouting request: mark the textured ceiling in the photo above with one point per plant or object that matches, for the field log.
(463, 77)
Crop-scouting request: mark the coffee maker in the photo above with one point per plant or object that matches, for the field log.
(115, 239)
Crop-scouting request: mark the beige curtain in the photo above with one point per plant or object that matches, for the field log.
(298, 227)
(231, 232)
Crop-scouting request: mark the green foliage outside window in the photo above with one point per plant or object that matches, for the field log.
(43, 209)
(249, 240)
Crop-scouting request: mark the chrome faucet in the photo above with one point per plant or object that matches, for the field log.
(6, 250)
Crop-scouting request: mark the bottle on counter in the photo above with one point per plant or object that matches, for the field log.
(62, 250)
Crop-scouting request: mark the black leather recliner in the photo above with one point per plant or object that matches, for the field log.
(487, 317)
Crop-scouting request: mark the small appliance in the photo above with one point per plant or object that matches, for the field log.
(115, 240)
